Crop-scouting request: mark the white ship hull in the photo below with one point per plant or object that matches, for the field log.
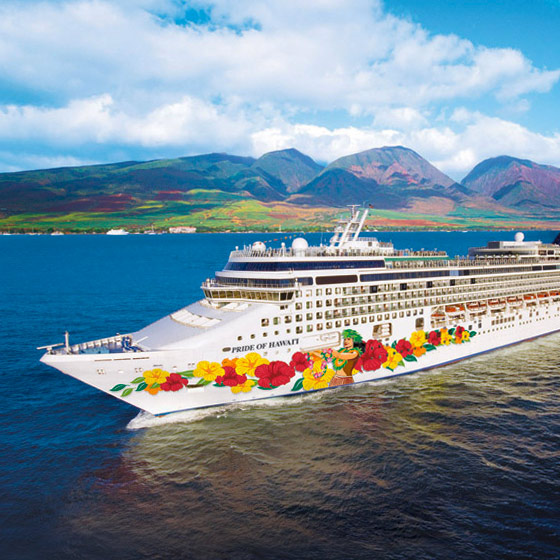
(107, 371)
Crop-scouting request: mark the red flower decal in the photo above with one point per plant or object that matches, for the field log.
(434, 338)
(230, 378)
(403, 347)
(174, 382)
(374, 355)
(300, 362)
(274, 374)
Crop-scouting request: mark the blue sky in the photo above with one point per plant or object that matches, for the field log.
(89, 81)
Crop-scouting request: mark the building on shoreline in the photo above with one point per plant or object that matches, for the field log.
(182, 229)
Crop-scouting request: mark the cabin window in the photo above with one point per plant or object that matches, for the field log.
(252, 336)
(420, 323)
(299, 330)
(319, 292)
(309, 316)
(328, 291)
(299, 318)
(309, 305)
(264, 322)
(287, 319)
(329, 324)
(309, 328)
(346, 322)
(382, 330)
(338, 324)
(276, 320)
(239, 338)
(298, 305)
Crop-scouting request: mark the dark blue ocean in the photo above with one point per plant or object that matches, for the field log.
(458, 462)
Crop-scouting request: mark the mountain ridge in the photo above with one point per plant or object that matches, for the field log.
(391, 178)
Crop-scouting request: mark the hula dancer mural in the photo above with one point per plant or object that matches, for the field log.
(344, 360)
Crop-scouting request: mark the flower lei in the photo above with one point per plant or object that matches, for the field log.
(339, 363)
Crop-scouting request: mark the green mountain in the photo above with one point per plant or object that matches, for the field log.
(516, 183)
(281, 188)
(389, 177)
(292, 168)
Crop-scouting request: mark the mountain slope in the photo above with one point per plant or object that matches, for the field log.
(291, 167)
(389, 177)
(516, 183)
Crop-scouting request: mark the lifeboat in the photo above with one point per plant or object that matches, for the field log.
(530, 299)
(514, 301)
(542, 295)
(496, 304)
(454, 310)
(438, 316)
(476, 307)
(555, 296)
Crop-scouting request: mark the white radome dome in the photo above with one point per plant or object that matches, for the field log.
(299, 245)
(519, 236)
(258, 246)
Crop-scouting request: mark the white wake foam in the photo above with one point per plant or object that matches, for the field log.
(147, 420)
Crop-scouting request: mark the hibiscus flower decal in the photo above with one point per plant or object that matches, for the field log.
(274, 374)
(300, 361)
(174, 382)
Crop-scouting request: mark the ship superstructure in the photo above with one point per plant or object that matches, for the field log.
(287, 320)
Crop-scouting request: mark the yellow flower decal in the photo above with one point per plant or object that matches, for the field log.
(445, 336)
(465, 336)
(208, 370)
(316, 378)
(418, 338)
(248, 364)
(393, 358)
(245, 387)
(155, 376)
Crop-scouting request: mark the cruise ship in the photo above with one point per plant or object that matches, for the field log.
(294, 320)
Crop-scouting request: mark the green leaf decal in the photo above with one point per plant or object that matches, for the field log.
(127, 392)
(154, 385)
(118, 387)
(389, 368)
(189, 373)
(138, 380)
(429, 347)
(266, 388)
(401, 363)
(218, 385)
(298, 386)
(473, 333)
(141, 386)
(202, 383)
(451, 331)
(410, 358)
